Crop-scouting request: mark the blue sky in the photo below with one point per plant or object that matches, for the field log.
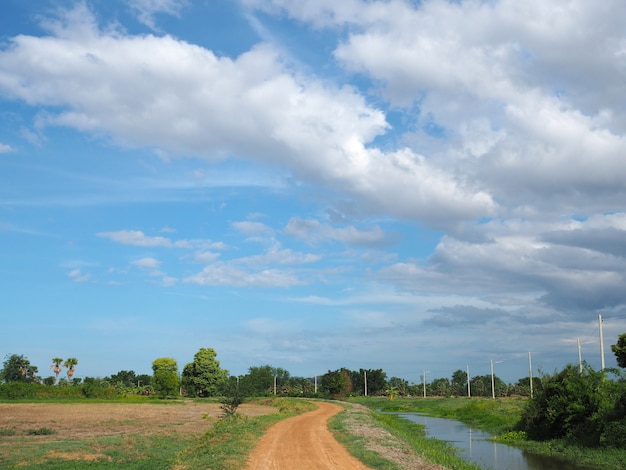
(313, 185)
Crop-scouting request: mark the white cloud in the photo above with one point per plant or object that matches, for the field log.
(147, 263)
(252, 228)
(278, 255)
(222, 274)
(165, 93)
(135, 237)
(77, 275)
(138, 238)
(4, 148)
(314, 231)
(146, 10)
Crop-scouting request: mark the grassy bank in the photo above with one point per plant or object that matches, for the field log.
(391, 449)
(498, 417)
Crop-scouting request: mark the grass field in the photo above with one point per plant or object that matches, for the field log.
(166, 434)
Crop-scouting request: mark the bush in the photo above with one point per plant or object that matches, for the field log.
(614, 435)
(573, 405)
(18, 390)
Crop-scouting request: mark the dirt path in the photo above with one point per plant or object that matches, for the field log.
(303, 442)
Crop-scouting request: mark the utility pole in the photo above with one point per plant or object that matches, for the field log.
(469, 390)
(365, 374)
(530, 371)
(274, 385)
(493, 386)
(425, 382)
(601, 342)
(580, 359)
(316, 384)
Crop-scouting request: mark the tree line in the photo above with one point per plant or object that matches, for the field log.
(204, 377)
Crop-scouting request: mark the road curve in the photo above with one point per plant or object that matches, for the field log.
(303, 443)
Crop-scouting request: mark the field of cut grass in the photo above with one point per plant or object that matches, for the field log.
(172, 434)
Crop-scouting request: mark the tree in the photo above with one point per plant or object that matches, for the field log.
(127, 378)
(337, 383)
(458, 386)
(401, 385)
(440, 387)
(572, 405)
(17, 368)
(260, 380)
(204, 377)
(56, 368)
(165, 378)
(70, 364)
(620, 350)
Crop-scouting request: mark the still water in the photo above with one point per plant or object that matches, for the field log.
(476, 448)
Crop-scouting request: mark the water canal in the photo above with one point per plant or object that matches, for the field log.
(476, 447)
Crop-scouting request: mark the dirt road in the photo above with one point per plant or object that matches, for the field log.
(303, 442)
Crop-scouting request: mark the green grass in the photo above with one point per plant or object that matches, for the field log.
(494, 416)
(129, 452)
(340, 426)
(433, 450)
(224, 446)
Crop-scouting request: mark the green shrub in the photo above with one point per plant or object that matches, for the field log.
(40, 432)
(574, 405)
(614, 435)
(18, 390)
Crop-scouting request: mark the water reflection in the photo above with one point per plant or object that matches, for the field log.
(475, 447)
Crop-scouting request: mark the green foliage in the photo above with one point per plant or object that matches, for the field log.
(165, 379)
(620, 350)
(6, 432)
(18, 390)
(259, 381)
(458, 384)
(41, 432)
(481, 386)
(439, 387)
(336, 384)
(376, 381)
(582, 407)
(127, 378)
(230, 404)
(401, 385)
(17, 368)
(204, 377)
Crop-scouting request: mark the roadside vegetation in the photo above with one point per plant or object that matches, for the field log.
(577, 414)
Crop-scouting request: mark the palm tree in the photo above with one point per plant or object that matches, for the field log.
(70, 363)
(391, 391)
(56, 368)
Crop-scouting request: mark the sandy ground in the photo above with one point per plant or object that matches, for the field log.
(303, 442)
(106, 419)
